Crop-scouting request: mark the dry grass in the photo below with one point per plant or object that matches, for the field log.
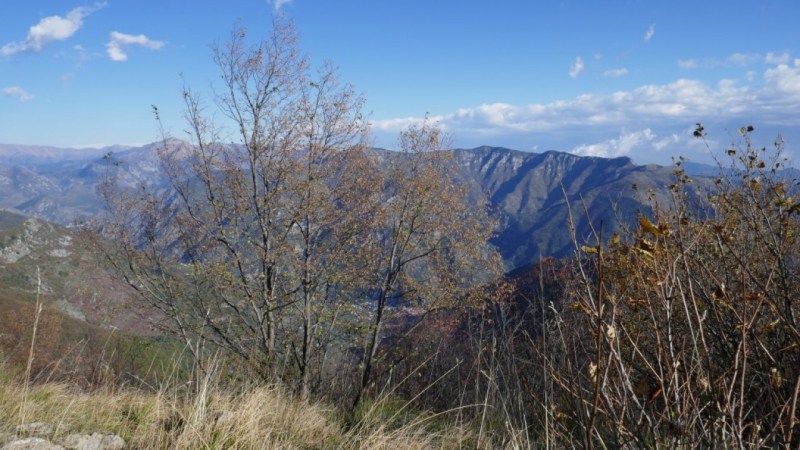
(179, 415)
(258, 417)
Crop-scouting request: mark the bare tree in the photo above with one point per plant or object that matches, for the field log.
(270, 248)
(428, 246)
(243, 241)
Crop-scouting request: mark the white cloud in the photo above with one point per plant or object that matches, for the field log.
(641, 141)
(667, 110)
(687, 64)
(615, 73)
(783, 82)
(18, 93)
(645, 106)
(115, 53)
(114, 48)
(651, 31)
(50, 29)
(576, 68)
(620, 146)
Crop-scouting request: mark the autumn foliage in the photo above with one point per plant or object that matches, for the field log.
(680, 332)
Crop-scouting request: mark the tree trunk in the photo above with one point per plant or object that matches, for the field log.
(369, 357)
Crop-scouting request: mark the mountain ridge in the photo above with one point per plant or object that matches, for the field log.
(528, 193)
(45, 154)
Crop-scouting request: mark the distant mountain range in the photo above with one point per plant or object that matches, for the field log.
(40, 154)
(60, 185)
(527, 192)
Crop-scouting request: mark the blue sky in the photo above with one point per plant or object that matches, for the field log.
(594, 78)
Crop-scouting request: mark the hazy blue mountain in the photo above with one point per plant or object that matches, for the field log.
(60, 185)
(41, 155)
(527, 192)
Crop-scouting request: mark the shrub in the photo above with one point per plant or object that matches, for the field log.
(683, 332)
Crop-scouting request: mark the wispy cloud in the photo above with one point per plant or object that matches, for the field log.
(775, 58)
(615, 73)
(118, 41)
(279, 3)
(651, 31)
(400, 123)
(576, 68)
(743, 59)
(51, 29)
(83, 55)
(18, 93)
(738, 59)
(66, 78)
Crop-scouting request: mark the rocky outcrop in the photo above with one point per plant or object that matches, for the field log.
(33, 443)
(41, 436)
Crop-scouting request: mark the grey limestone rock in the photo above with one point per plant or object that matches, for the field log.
(34, 435)
(32, 443)
(94, 441)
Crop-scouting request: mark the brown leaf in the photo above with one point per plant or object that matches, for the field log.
(648, 226)
(654, 393)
